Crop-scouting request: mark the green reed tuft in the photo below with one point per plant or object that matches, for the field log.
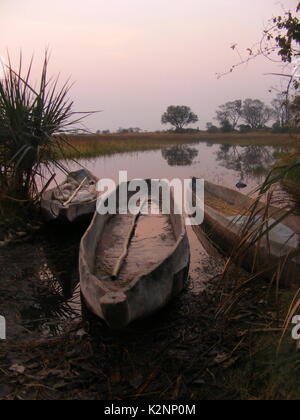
(30, 119)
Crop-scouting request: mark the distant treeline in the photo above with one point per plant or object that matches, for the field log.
(243, 116)
(253, 114)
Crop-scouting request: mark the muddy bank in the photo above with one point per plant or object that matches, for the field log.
(39, 281)
(164, 357)
(186, 351)
(55, 351)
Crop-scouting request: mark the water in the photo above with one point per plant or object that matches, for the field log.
(222, 164)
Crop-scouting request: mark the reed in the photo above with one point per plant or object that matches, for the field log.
(251, 234)
(272, 360)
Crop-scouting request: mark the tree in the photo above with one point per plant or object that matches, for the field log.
(179, 116)
(129, 130)
(230, 112)
(245, 128)
(287, 35)
(256, 113)
(226, 127)
(134, 130)
(211, 128)
(281, 37)
(281, 110)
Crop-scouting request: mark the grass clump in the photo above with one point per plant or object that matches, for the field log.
(29, 119)
(269, 370)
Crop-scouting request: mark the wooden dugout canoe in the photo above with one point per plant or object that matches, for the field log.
(154, 271)
(82, 186)
(225, 218)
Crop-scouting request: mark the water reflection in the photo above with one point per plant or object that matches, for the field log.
(58, 297)
(180, 155)
(247, 161)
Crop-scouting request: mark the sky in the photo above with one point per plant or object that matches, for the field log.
(131, 59)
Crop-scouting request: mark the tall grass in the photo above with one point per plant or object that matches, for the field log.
(292, 177)
(29, 118)
(251, 235)
(92, 145)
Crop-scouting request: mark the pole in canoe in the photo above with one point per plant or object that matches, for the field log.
(129, 237)
(75, 193)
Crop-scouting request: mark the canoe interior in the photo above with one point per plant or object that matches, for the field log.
(226, 222)
(231, 204)
(152, 242)
(226, 201)
(88, 191)
(155, 269)
(155, 237)
(67, 202)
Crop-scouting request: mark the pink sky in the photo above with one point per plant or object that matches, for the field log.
(133, 58)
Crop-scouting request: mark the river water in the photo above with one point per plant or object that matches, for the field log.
(223, 164)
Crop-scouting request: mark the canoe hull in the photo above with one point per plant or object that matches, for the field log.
(218, 235)
(54, 210)
(146, 294)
